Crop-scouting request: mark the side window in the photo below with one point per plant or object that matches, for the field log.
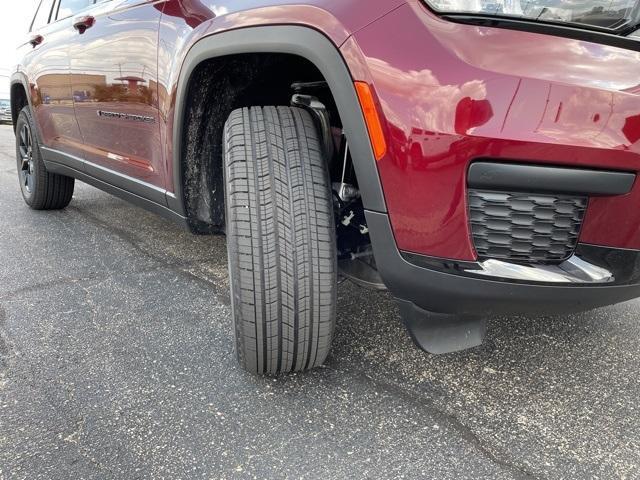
(66, 8)
(42, 15)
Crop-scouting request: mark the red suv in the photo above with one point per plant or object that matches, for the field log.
(474, 157)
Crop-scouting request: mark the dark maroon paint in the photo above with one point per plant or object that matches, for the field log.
(447, 102)
(447, 94)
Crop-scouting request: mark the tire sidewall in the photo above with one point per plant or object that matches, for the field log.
(230, 254)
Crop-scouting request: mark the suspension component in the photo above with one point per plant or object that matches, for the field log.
(322, 119)
(355, 255)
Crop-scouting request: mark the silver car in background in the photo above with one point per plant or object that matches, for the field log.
(5, 110)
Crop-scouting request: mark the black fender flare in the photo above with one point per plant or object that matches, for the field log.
(19, 78)
(302, 41)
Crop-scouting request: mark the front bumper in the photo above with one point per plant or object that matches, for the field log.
(452, 94)
(468, 289)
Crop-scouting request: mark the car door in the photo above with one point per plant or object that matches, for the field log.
(114, 70)
(45, 63)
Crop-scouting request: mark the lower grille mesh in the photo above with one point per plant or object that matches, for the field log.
(525, 227)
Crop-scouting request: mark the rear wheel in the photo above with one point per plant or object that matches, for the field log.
(40, 189)
(280, 239)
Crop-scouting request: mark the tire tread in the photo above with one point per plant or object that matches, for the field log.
(281, 239)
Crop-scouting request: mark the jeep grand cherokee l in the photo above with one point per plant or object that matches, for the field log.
(473, 157)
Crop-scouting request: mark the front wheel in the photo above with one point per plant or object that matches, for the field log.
(280, 240)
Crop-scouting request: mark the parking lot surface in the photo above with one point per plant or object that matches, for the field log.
(116, 361)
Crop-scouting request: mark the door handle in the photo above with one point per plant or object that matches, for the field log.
(36, 40)
(82, 23)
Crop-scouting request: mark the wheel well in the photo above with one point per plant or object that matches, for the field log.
(216, 88)
(18, 101)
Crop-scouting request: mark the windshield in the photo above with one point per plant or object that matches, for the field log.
(4, 103)
(610, 14)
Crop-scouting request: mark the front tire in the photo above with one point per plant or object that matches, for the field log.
(40, 189)
(280, 240)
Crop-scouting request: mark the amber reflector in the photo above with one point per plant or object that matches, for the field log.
(374, 126)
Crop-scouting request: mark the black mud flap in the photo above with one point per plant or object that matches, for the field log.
(440, 333)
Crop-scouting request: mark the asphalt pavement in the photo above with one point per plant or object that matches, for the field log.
(116, 361)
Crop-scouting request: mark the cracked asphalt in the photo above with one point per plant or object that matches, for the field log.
(116, 361)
